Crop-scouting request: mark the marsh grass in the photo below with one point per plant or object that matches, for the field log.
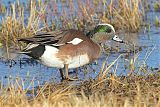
(129, 15)
(134, 91)
(124, 14)
(2, 8)
(14, 26)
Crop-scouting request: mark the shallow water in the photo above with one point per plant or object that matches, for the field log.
(27, 69)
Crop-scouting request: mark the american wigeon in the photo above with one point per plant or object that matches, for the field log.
(68, 48)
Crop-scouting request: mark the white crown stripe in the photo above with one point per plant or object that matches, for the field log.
(107, 25)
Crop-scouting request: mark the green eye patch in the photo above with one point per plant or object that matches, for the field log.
(103, 28)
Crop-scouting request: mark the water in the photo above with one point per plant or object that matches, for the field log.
(24, 68)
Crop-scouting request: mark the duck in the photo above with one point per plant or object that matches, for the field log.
(69, 49)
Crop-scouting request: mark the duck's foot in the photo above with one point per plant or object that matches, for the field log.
(72, 79)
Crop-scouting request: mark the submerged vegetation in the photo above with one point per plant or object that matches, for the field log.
(157, 21)
(133, 90)
(157, 6)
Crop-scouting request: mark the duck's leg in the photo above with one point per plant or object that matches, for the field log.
(67, 76)
(76, 73)
(61, 73)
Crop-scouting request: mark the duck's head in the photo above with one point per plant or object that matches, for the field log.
(104, 32)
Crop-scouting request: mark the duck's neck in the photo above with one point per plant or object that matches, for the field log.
(99, 37)
(90, 33)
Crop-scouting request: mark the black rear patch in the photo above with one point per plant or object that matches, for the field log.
(36, 52)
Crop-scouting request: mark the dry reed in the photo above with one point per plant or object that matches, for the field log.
(135, 91)
(125, 15)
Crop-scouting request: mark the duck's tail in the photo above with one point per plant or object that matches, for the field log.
(33, 50)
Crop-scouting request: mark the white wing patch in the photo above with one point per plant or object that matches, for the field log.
(75, 41)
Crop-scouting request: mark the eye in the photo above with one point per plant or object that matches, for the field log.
(109, 30)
